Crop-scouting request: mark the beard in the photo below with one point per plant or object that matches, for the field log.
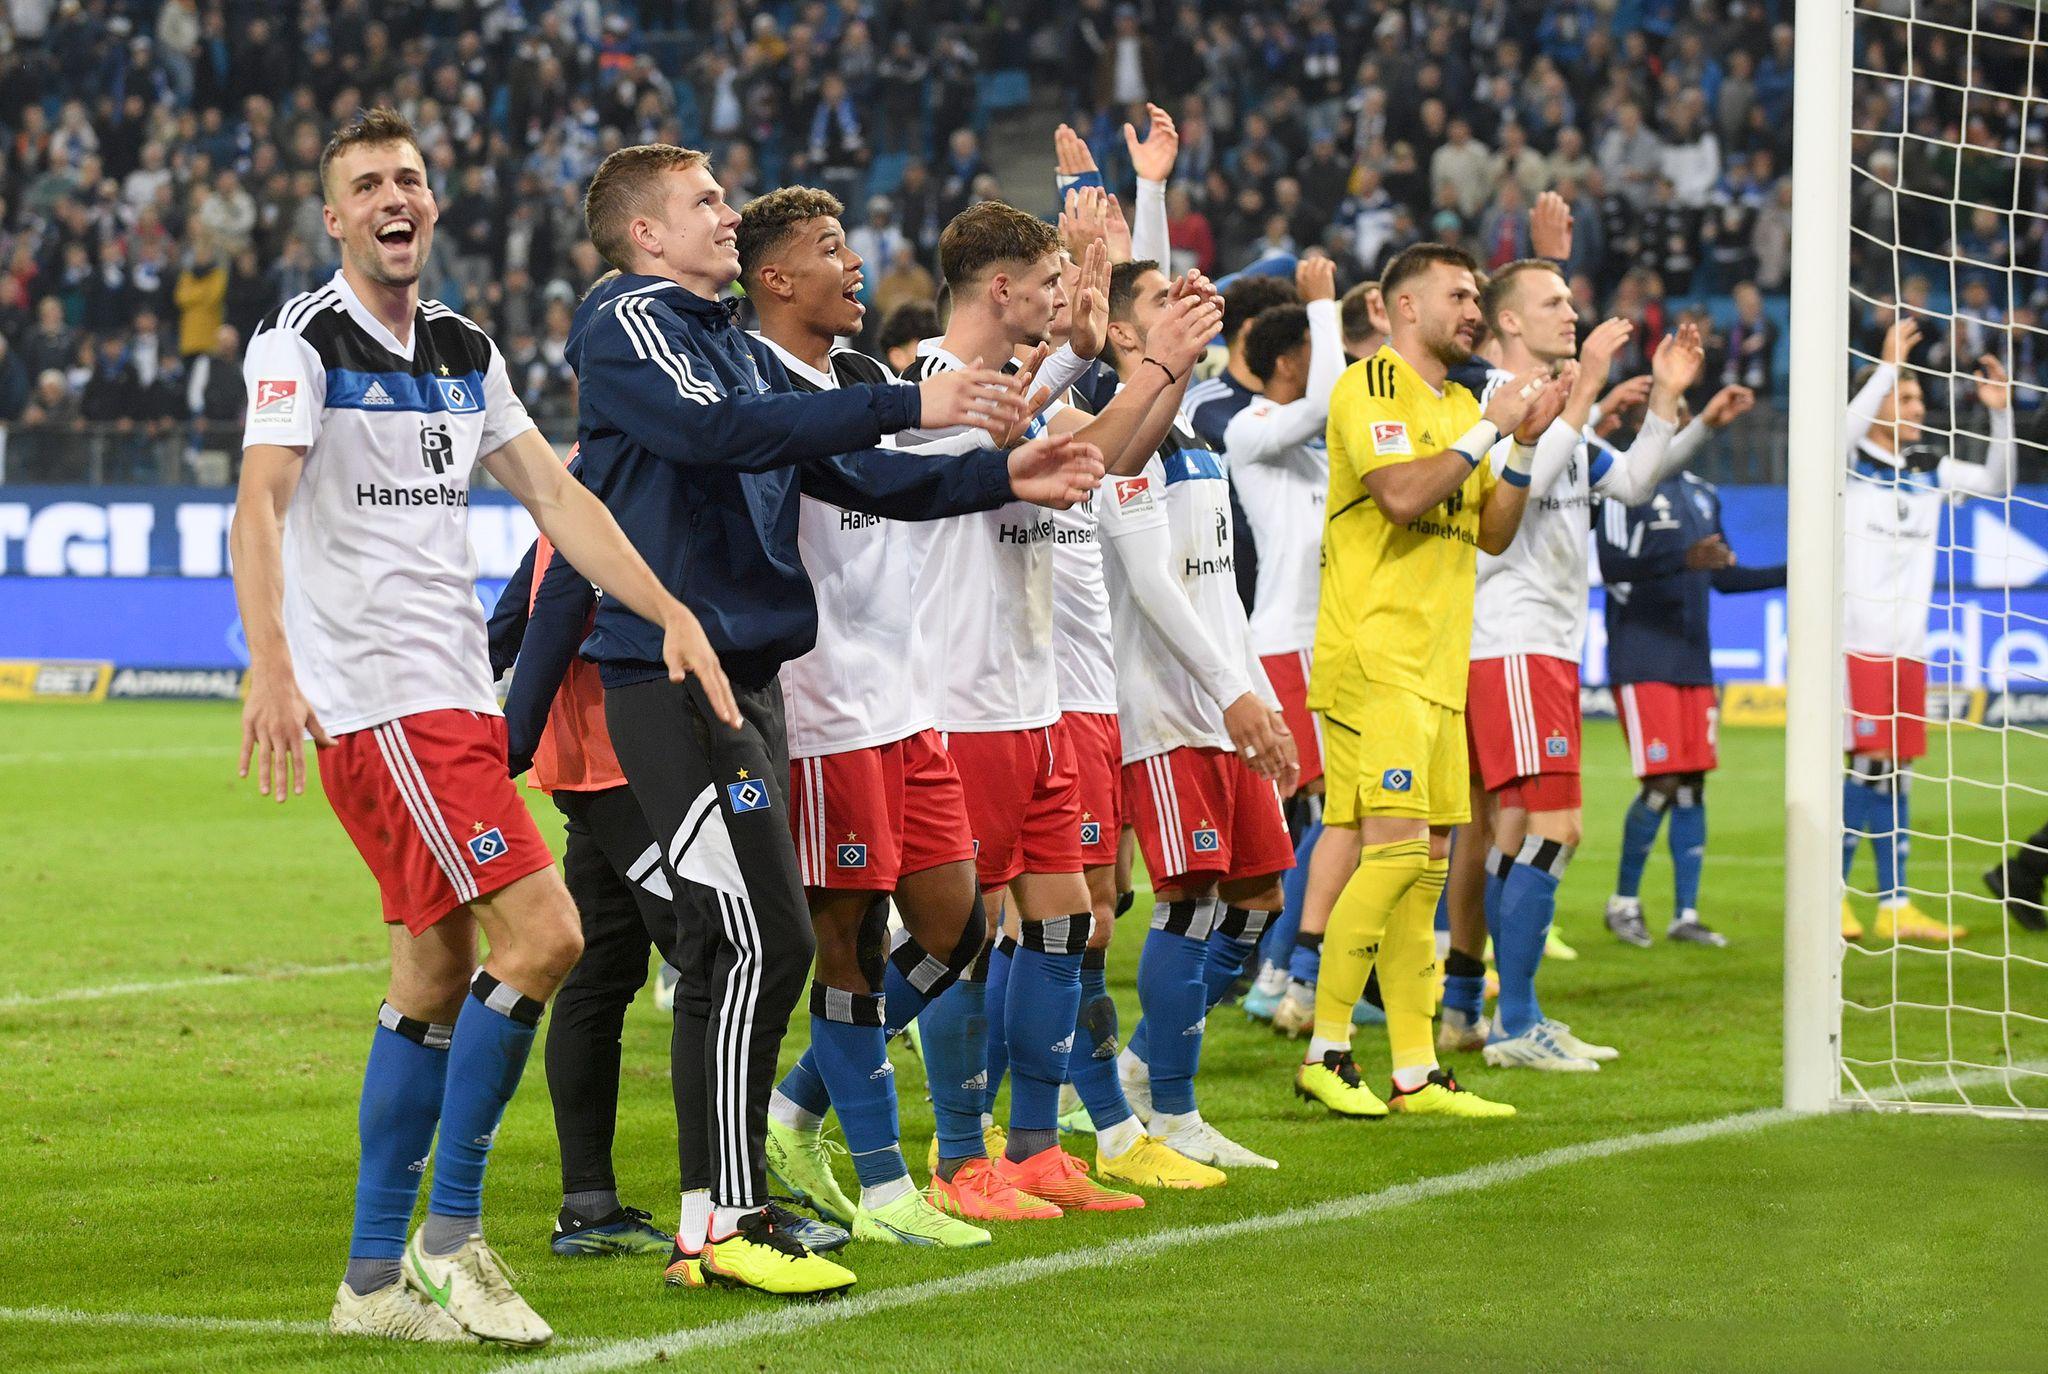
(1450, 351)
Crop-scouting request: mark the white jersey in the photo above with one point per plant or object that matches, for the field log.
(993, 607)
(1280, 464)
(380, 606)
(1532, 599)
(856, 688)
(1082, 644)
(1183, 648)
(1891, 525)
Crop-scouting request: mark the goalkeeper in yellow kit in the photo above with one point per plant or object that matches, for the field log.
(1413, 497)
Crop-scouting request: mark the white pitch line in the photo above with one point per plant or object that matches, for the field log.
(72, 1316)
(224, 752)
(785, 1321)
(211, 980)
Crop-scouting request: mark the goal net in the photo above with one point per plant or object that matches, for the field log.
(1919, 549)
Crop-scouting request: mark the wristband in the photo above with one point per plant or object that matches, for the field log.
(1170, 378)
(1521, 458)
(1474, 442)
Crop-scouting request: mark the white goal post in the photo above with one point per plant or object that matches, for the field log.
(1927, 1025)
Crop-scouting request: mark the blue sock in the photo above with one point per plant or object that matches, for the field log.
(1638, 833)
(1231, 943)
(1174, 995)
(1040, 1015)
(486, 1056)
(1305, 965)
(1000, 964)
(1278, 945)
(402, 1090)
(853, 1059)
(1528, 902)
(1091, 1067)
(1443, 911)
(804, 1084)
(1891, 843)
(1858, 820)
(1493, 894)
(1688, 840)
(955, 1039)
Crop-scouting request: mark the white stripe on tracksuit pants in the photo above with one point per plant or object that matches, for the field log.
(716, 799)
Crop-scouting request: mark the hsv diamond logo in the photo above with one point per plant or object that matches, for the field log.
(1206, 841)
(1133, 494)
(750, 795)
(456, 395)
(1397, 780)
(486, 846)
(1091, 832)
(853, 856)
(1390, 436)
(1658, 751)
(1557, 747)
(276, 401)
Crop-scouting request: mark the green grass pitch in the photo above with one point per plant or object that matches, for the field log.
(178, 1161)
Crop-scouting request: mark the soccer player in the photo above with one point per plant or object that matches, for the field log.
(1211, 405)
(1279, 468)
(1000, 711)
(1528, 625)
(1899, 484)
(876, 805)
(1659, 560)
(1411, 501)
(369, 411)
(1200, 715)
(691, 432)
(1364, 319)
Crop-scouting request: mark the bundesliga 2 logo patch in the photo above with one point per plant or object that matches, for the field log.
(1133, 494)
(853, 855)
(1390, 436)
(1397, 780)
(486, 845)
(748, 795)
(276, 401)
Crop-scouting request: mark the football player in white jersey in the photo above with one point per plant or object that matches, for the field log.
(1000, 714)
(1899, 483)
(875, 803)
(1529, 627)
(369, 409)
(1204, 741)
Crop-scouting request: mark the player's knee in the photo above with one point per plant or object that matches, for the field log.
(1659, 792)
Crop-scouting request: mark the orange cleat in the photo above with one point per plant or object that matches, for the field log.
(1060, 1178)
(978, 1193)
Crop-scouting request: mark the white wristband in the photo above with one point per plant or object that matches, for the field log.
(1474, 442)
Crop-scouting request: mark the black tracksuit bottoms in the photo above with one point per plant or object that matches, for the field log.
(716, 800)
(614, 872)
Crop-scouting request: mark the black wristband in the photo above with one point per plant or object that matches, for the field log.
(1163, 368)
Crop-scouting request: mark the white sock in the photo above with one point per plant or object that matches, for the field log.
(1443, 944)
(882, 1194)
(1165, 1124)
(695, 1220)
(786, 1111)
(1409, 1079)
(987, 1120)
(1111, 1141)
(1686, 915)
(726, 1220)
(1128, 1065)
(1318, 1047)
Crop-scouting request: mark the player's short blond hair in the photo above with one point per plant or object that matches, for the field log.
(372, 128)
(984, 237)
(628, 186)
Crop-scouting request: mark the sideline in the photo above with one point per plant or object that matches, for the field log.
(282, 973)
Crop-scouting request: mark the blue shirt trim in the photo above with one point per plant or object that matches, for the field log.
(459, 393)
(1192, 464)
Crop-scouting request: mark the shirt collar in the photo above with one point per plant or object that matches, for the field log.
(375, 327)
(824, 381)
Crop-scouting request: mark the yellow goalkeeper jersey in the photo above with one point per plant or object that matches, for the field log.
(1396, 599)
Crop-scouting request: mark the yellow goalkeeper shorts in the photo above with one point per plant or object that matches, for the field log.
(1390, 752)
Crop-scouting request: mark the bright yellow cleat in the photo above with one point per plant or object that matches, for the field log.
(1852, 929)
(1152, 1163)
(684, 1270)
(910, 1220)
(993, 1139)
(1441, 1096)
(801, 1161)
(1554, 947)
(1908, 922)
(1336, 1085)
(759, 1256)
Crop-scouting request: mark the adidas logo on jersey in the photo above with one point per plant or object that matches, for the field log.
(883, 1072)
(377, 395)
(976, 1084)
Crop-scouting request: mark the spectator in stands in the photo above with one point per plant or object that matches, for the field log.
(1752, 344)
(14, 383)
(1462, 166)
(1631, 156)
(214, 391)
(201, 296)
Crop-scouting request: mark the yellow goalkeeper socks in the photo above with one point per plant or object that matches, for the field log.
(1408, 970)
(1358, 923)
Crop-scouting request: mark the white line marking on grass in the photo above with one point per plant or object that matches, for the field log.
(71, 1316)
(784, 1321)
(225, 752)
(212, 980)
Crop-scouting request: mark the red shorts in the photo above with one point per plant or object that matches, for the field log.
(1023, 801)
(1201, 814)
(433, 812)
(1289, 675)
(1098, 748)
(1522, 729)
(864, 818)
(1670, 728)
(1887, 707)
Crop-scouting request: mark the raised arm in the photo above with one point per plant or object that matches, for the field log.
(1992, 477)
(1633, 475)
(1899, 341)
(1153, 160)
